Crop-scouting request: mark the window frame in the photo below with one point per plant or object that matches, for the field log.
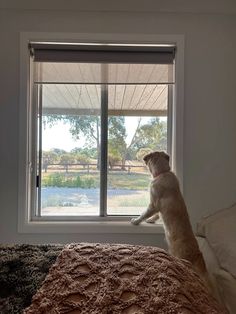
(108, 224)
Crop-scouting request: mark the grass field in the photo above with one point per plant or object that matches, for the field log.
(73, 187)
(115, 180)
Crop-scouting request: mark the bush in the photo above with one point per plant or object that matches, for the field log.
(78, 181)
(81, 158)
(113, 159)
(88, 182)
(55, 179)
(62, 180)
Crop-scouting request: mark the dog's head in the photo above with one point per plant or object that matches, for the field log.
(157, 162)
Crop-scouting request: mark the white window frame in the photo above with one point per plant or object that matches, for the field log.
(25, 225)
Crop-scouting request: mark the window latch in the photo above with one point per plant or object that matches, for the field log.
(37, 181)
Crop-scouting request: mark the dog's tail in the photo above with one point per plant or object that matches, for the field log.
(200, 267)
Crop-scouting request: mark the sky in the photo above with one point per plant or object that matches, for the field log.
(59, 135)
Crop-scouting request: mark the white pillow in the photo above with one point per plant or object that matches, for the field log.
(227, 287)
(213, 267)
(220, 231)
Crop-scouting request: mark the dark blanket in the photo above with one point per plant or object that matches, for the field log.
(22, 271)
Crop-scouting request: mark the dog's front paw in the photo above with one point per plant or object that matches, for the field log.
(153, 219)
(135, 221)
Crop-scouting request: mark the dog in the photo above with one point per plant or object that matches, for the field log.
(167, 201)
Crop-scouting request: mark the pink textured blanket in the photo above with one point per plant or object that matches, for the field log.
(112, 279)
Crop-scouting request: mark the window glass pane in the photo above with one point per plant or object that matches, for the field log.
(69, 135)
(70, 131)
(135, 128)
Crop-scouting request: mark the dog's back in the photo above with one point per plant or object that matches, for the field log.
(181, 240)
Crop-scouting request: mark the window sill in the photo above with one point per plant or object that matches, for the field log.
(90, 227)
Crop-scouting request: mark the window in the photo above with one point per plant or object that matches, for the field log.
(38, 126)
(95, 111)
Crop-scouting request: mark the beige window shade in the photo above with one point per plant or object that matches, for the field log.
(94, 73)
(71, 75)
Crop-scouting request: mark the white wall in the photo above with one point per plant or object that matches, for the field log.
(210, 94)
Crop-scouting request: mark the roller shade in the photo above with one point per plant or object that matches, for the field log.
(99, 64)
(60, 52)
(71, 75)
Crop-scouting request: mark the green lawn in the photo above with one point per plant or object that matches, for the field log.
(132, 181)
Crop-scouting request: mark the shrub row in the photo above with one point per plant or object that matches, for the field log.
(62, 180)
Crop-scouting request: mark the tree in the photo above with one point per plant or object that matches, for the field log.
(85, 151)
(152, 135)
(49, 157)
(142, 152)
(86, 127)
(66, 160)
(116, 140)
(114, 157)
(58, 151)
(130, 149)
(81, 159)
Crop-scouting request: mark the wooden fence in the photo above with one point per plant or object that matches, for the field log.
(91, 167)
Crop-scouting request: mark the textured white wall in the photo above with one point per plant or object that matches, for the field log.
(210, 96)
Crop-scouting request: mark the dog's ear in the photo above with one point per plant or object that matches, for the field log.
(146, 158)
(166, 156)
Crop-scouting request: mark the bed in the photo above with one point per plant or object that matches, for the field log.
(99, 278)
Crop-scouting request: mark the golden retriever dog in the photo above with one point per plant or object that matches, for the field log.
(167, 201)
